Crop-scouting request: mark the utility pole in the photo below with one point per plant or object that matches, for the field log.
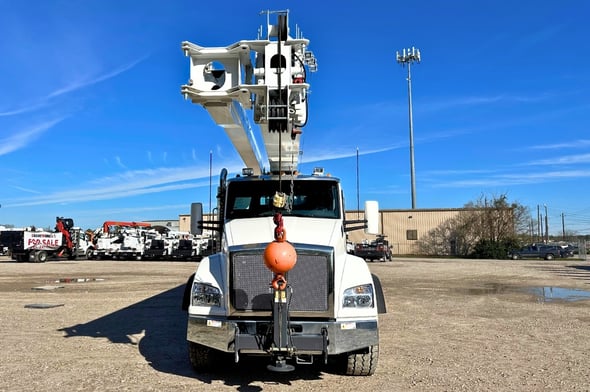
(358, 195)
(563, 226)
(546, 225)
(538, 223)
(408, 56)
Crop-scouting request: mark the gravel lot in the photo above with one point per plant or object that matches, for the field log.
(452, 325)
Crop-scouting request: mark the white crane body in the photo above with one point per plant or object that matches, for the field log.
(329, 303)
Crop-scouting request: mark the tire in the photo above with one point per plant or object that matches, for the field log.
(514, 257)
(362, 362)
(548, 256)
(41, 257)
(202, 357)
(89, 254)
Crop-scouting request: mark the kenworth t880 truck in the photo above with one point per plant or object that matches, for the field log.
(281, 283)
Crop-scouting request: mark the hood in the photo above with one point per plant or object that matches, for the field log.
(313, 231)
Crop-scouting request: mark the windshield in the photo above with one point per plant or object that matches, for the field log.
(311, 198)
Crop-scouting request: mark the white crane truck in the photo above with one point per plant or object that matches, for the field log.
(66, 241)
(298, 298)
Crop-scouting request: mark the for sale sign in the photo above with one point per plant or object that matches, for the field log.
(47, 241)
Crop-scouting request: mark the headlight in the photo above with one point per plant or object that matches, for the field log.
(205, 294)
(358, 297)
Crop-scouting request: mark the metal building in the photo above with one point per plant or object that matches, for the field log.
(403, 228)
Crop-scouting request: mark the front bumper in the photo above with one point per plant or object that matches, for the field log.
(369, 254)
(306, 337)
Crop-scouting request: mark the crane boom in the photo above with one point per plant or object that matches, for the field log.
(267, 77)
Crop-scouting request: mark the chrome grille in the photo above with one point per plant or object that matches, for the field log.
(310, 281)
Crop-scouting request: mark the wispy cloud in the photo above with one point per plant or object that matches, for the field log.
(571, 144)
(119, 162)
(503, 180)
(129, 210)
(324, 155)
(563, 160)
(89, 82)
(127, 184)
(460, 102)
(25, 109)
(23, 137)
(374, 147)
(540, 36)
(47, 100)
(23, 189)
(449, 172)
(551, 175)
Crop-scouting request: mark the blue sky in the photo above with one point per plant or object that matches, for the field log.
(93, 125)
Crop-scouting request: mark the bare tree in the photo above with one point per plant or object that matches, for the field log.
(493, 222)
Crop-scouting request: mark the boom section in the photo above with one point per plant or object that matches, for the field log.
(264, 80)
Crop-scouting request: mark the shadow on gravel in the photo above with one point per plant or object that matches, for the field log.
(158, 326)
(581, 267)
(581, 272)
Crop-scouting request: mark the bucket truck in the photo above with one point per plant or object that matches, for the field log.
(281, 283)
(120, 240)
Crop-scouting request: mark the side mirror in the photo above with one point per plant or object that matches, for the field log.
(372, 217)
(197, 218)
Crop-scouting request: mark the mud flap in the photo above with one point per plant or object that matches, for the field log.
(186, 297)
(381, 308)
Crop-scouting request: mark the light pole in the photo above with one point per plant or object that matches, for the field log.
(408, 56)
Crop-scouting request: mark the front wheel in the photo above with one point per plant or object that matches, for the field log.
(202, 357)
(362, 362)
(514, 257)
(549, 256)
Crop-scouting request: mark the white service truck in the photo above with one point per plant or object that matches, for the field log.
(281, 283)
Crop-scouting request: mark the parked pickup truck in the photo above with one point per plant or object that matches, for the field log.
(537, 251)
(377, 249)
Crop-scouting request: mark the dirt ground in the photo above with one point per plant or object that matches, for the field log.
(452, 325)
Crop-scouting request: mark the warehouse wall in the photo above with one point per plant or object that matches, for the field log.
(404, 228)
